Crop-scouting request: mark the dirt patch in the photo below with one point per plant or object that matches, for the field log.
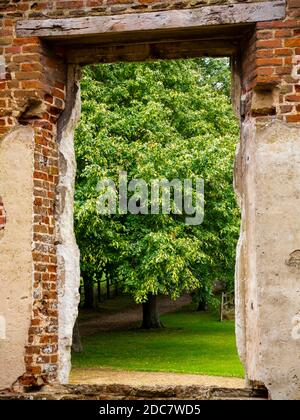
(104, 376)
(127, 318)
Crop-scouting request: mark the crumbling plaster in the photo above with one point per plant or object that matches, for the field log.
(16, 273)
(67, 249)
(267, 276)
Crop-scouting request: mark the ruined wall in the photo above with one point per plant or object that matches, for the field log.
(33, 82)
(267, 169)
(67, 250)
(32, 94)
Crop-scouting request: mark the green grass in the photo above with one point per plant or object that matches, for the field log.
(193, 342)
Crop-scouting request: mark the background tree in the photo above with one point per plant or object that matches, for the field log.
(170, 119)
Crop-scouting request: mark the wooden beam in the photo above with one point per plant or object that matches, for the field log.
(151, 51)
(204, 16)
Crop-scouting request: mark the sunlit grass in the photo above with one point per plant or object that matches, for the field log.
(192, 342)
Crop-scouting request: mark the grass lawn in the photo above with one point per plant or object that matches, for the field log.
(192, 342)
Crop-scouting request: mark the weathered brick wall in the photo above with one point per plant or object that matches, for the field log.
(271, 63)
(32, 91)
(57, 8)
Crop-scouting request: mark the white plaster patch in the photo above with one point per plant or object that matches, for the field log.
(16, 276)
(2, 68)
(296, 327)
(268, 332)
(2, 327)
(296, 67)
(67, 251)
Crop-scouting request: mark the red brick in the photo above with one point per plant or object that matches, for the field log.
(285, 109)
(34, 370)
(293, 118)
(265, 35)
(32, 84)
(290, 23)
(54, 359)
(294, 42)
(12, 50)
(31, 67)
(26, 58)
(60, 85)
(69, 4)
(283, 70)
(269, 62)
(293, 98)
(28, 75)
(31, 49)
(294, 3)
(283, 33)
(266, 53)
(265, 71)
(283, 52)
(271, 43)
(27, 41)
(58, 93)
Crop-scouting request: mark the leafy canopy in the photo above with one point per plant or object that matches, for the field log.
(168, 119)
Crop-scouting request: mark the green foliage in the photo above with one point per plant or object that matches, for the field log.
(169, 119)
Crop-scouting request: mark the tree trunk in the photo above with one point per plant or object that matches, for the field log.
(116, 289)
(150, 314)
(202, 306)
(76, 344)
(99, 290)
(108, 287)
(88, 293)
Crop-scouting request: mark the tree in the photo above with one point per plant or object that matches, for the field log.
(160, 120)
(151, 319)
(76, 344)
(88, 287)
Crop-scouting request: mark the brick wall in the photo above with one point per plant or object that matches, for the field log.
(58, 8)
(32, 91)
(272, 64)
(49, 87)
